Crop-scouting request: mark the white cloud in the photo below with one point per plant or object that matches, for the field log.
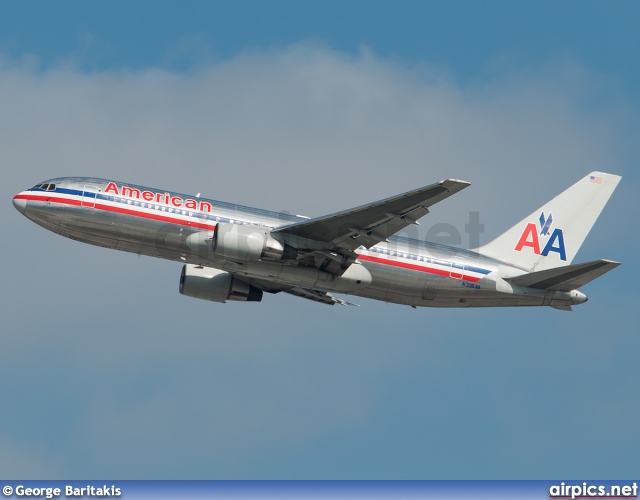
(304, 129)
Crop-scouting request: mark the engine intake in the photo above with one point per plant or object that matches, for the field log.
(217, 286)
(235, 241)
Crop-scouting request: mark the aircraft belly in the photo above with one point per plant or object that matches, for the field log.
(493, 301)
(394, 281)
(401, 286)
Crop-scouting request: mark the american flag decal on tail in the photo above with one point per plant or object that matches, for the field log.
(595, 179)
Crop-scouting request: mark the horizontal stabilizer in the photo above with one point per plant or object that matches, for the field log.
(565, 279)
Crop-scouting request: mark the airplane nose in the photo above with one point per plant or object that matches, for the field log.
(20, 204)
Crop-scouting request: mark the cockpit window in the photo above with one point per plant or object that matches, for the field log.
(45, 187)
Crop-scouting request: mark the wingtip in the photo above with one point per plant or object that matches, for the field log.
(455, 182)
(612, 263)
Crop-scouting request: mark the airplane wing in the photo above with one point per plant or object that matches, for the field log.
(318, 296)
(304, 293)
(367, 225)
(565, 278)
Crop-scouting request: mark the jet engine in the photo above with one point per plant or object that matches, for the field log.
(239, 242)
(217, 286)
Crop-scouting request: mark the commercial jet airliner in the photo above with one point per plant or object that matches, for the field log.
(232, 252)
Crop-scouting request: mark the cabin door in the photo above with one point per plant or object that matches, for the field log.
(89, 196)
(457, 269)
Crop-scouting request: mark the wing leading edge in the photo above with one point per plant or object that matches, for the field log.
(372, 223)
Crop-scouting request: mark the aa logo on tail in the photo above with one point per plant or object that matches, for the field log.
(531, 238)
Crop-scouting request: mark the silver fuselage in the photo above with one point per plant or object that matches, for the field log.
(159, 223)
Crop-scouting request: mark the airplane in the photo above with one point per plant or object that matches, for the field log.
(233, 252)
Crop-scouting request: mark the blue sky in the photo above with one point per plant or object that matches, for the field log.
(467, 38)
(313, 107)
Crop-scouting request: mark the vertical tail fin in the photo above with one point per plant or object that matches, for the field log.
(552, 235)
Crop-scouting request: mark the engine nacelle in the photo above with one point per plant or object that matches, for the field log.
(240, 242)
(217, 286)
